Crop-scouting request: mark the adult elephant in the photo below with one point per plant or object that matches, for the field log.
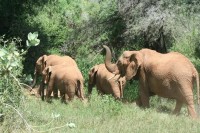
(169, 75)
(105, 81)
(45, 61)
(68, 79)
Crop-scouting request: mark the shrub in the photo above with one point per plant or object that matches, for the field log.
(11, 90)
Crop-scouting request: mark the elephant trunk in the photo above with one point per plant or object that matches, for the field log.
(110, 67)
(90, 86)
(34, 80)
(121, 90)
(122, 83)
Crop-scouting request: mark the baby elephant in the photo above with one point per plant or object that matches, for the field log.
(105, 81)
(67, 79)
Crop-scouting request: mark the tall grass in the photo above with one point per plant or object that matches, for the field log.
(102, 114)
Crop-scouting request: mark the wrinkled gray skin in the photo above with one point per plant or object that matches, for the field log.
(105, 81)
(45, 61)
(169, 75)
(68, 79)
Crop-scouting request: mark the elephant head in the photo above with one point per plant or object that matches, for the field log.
(39, 67)
(106, 82)
(92, 78)
(127, 65)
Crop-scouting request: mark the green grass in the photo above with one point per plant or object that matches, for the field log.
(103, 115)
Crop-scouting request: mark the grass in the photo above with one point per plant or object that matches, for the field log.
(103, 115)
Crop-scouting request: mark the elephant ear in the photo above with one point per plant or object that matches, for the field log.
(46, 74)
(135, 62)
(92, 74)
(50, 69)
(44, 59)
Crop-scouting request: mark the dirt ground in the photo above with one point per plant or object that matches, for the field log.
(33, 92)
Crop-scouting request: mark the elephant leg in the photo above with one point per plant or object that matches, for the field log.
(186, 91)
(190, 106)
(62, 96)
(187, 97)
(144, 91)
(139, 102)
(178, 107)
(40, 91)
(144, 98)
(70, 91)
(191, 110)
(55, 93)
(90, 86)
(71, 96)
(49, 91)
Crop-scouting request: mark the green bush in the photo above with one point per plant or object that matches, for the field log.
(10, 68)
(131, 91)
(11, 88)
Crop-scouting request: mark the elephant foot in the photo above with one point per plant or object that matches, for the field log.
(38, 95)
(63, 101)
(175, 113)
(191, 111)
(49, 100)
(139, 102)
(177, 108)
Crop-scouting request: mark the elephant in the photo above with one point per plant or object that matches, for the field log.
(67, 79)
(169, 75)
(105, 81)
(45, 61)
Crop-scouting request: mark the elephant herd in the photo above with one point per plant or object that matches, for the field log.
(169, 75)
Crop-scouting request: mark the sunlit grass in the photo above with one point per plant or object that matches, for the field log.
(104, 114)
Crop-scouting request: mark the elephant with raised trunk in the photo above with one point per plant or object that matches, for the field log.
(45, 61)
(67, 79)
(169, 75)
(105, 81)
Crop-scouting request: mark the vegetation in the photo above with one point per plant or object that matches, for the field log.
(11, 89)
(100, 114)
(79, 28)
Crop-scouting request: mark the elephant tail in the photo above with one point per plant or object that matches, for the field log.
(80, 89)
(197, 82)
(196, 77)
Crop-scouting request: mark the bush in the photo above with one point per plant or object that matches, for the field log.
(11, 90)
(131, 91)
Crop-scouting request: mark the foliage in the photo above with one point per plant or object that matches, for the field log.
(11, 67)
(32, 39)
(131, 91)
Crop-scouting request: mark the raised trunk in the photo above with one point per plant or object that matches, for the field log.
(110, 67)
